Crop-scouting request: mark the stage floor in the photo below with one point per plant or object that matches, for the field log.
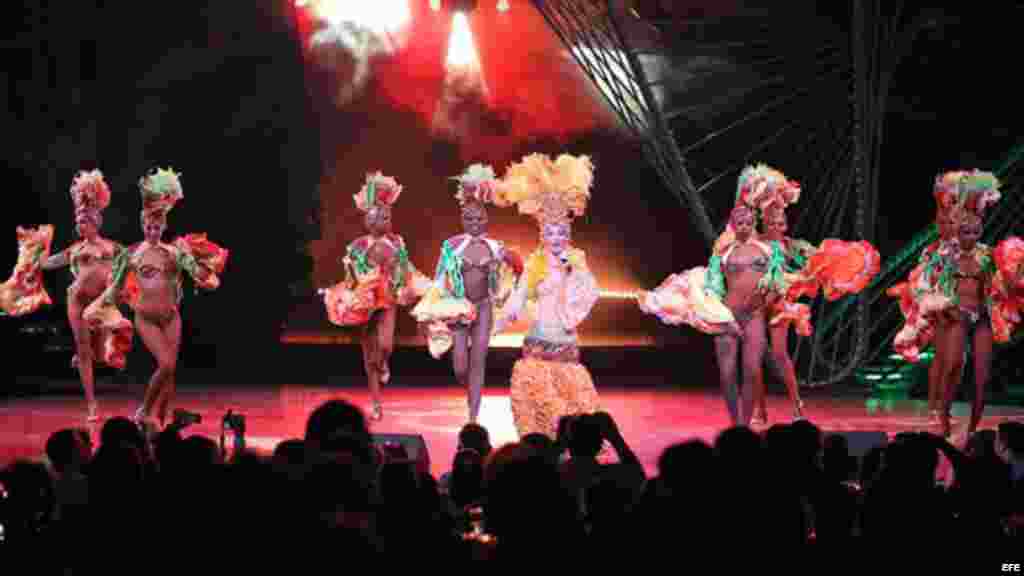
(650, 419)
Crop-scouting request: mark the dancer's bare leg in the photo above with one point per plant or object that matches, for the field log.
(384, 333)
(935, 381)
(460, 354)
(481, 339)
(982, 370)
(954, 335)
(760, 393)
(782, 364)
(369, 341)
(84, 355)
(172, 340)
(164, 350)
(755, 341)
(727, 350)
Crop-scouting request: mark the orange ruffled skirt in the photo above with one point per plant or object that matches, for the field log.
(110, 333)
(1007, 292)
(352, 305)
(545, 388)
(838, 268)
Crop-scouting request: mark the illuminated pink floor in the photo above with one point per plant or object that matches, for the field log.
(649, 419)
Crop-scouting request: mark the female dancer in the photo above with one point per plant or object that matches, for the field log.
(549, 382)
(148, 277)
(378, 277)
(784, 313)
(838, 266)
(473, 278)
(730, 297)
(982, 295)
(919, 328)
(90, 260)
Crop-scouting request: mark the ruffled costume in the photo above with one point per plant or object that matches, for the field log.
(919, 301)
(931, 288)
(444, 304)
(366, 287)
(549, 381)
(194, 254)
(795, 268)
(24, 292)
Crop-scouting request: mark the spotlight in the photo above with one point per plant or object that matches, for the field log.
(435, 5)
(503, 6)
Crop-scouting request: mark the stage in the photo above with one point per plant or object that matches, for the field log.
(650, 418)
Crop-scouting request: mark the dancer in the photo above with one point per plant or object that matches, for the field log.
(981, 295)
(148, 277)
(918, 330)
(378, 277)
(783, 314)
(549, 381)
(473, 279)
(90, 259)
(729, 298)
(842, 267)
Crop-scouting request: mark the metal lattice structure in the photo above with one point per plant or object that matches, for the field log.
(596, 39)
(798, 90)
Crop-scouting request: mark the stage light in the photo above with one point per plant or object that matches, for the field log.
(503, 6)
(379, 16)
(435, 5)
(461, 51)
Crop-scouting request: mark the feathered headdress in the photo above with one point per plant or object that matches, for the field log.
(161, 190)
(978, 191)
(89, 191)
(551, 191)
(379, 190)
(477, 184)
(761, 186)
(947, 190)
(758, 188)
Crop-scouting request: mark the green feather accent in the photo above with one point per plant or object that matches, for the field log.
(773, 279)
(714, 279)
(476, 173)
(979, 182)
(161, 183)
(401, 269)
(359, 260)
(450, 266)
(371, 192)
(118, 274)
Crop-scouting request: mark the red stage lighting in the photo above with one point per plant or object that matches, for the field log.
(465, 6)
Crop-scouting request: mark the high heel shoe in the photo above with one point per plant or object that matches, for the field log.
(378, 411)
(798, 411)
